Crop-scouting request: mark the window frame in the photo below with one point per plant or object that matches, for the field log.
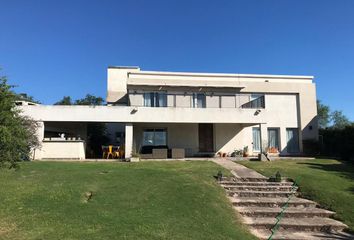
(195, 100)
(155, 97)
(253, 140)
(154, 137)
(277, 129)
(298, 140)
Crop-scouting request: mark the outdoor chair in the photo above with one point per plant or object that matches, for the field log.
(104, 151)
(110, 151)
(178, 153)
(159, 153)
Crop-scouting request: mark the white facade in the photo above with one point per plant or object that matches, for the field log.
(201, 113)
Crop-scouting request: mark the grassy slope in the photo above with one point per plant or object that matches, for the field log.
(151, 200)
(328, 182)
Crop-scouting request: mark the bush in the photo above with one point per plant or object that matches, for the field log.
(17, 133)
(338, 143)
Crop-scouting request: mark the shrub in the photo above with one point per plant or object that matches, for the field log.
(17, 133)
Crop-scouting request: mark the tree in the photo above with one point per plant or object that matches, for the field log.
(17, 133)
(26, 97)
(87, 100)
(323, 113)
(90, 100)
(339, 120)
(65, 101)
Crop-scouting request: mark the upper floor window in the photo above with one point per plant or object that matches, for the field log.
(256, 101)
(199, 100)
(155, 99)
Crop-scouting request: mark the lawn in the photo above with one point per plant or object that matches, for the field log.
(328, 182)
(149, 200)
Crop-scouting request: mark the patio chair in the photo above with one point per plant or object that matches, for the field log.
(178, 153)
(121, 151)
(110, 151)
(159, 153)
(104, 151)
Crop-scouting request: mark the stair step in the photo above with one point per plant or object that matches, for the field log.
(296, 224)
(289, 212)
(298, 235)
(231, 183)
(261, 188)
(271, 202)
(248, 193)
(254, 179)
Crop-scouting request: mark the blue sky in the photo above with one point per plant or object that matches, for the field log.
(56, 48)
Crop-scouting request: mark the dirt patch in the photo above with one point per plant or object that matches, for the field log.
(6, 227)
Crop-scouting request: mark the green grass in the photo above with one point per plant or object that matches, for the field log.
(328, 182)
(150, 200)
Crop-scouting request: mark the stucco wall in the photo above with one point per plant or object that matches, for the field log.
(178, 136)
(61, 150)
(303, 86)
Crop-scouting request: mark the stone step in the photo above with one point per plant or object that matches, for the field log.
(297, 224)
(289, 212)
(298, 235)
(261, 188)
(254, 179)
(232, 183)
(271, 202)
(248, 193)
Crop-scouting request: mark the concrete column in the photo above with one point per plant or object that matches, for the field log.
(260, 137)
(128, 140)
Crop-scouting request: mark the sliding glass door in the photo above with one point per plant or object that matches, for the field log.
(292, 137)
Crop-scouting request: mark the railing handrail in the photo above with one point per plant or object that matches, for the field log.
(279, 217)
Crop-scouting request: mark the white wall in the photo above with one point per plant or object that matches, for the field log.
(178, 136)
(61, 150)
(143, 114)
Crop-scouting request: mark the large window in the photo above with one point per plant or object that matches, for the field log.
(155, 137)
(256, 101)
(256, 133)
(273, 139)
(199, 100)
(155, 99)
(292, 137)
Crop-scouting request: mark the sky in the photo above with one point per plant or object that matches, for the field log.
(50, 49)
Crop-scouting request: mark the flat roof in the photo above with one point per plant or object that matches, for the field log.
(231, 75)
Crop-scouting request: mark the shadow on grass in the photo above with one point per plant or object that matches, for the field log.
(343, 168)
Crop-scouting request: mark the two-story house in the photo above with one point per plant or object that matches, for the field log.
(202, 113)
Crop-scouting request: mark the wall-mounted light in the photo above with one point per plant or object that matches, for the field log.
(134, 110)
(258, 111)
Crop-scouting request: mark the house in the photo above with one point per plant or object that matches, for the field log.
(202, 113)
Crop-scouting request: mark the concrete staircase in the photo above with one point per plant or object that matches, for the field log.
(259, 202)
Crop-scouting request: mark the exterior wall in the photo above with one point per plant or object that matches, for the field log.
(117, 82)
(228, 101)
(281, 112)
(229, 137)
(61, 150)
(183, 101)
(212, 101)
(136, 99)
(178, 136)
(129, 114)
